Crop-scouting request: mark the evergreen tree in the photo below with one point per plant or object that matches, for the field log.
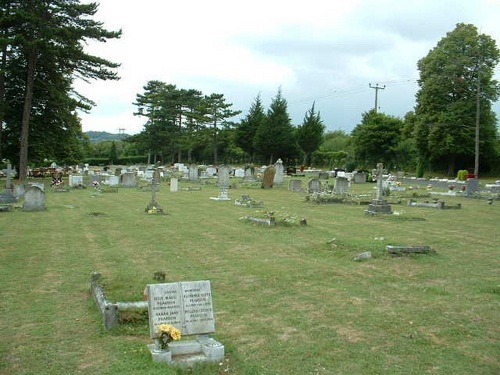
(41, 57)
(215, 114)
(275, 136)
(246, 130)
(310, 134)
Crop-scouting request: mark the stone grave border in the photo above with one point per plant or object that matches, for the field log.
(110, 310)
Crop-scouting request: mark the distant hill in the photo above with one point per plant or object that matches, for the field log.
(96, 137)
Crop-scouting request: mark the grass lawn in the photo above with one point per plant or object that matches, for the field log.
(287, 299)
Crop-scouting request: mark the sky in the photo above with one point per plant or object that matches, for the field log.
(329, 53)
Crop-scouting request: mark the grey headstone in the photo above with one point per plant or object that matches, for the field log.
(34, 199)
(341, 185)
(223, 176)
(174, 184)
(295, 185)
(314, 185)
(278, 177)
(129, 179)
(185, 305)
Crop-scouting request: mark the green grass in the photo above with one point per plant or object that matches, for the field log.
(287, 300)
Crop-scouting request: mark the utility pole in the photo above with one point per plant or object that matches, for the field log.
(376, 88)
(478, 118)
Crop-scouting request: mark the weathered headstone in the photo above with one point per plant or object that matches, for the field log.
(295, 185)
(359, 177)
(34, 199)
(129, 179)
(188, 307)
(268, 178)
(223, 176)
(471, 186)
(239, 172)
(193, 173)
(249, 173)
(174, 184)
(278, 176)
(314, 186)
(341, 185)
(75, 180)
(7, 195)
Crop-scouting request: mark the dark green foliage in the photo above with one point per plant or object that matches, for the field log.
(244, 133)
(376, 139)
(42, 52)
(275, 137)
(310, 134)
(456, 77)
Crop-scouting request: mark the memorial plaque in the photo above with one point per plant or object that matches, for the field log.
(185, 305)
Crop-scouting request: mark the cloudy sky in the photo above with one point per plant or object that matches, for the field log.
(325, 51)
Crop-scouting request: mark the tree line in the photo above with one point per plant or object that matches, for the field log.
(42, 52)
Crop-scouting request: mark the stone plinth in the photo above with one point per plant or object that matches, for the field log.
(379, 206)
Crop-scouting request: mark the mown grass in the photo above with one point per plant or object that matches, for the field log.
(287, 300)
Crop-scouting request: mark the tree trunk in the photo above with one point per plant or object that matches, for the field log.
(304, 161)
(25, 120)
(216, 161)
(451, 166)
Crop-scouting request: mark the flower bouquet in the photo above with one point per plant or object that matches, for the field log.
(166, 333)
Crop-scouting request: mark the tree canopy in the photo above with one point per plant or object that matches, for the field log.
(455, 96)
(42, 53)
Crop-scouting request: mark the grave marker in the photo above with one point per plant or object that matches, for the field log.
(268, 178)
(188, 307)
(34, 199)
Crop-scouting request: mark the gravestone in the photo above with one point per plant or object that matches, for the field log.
(239, 172)
(34, 199)
(7, 195)
(129, 179)
(193, 173)
(153, 206)
(268, 178)
(278, 176)
(471, 186)
(9, 173)
(314, 185)
(188, 307)
(75, 180)
(111, 180)
(223, 176)
(211, 171)
(39, 185)
(174, 184)
(295, 185)
(19, 190)
(359, 177)
(223, 182)
(341, 185)
(249, 173)
(379, 205)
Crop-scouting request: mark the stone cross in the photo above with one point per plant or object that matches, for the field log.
(155, 182)
(380, 170)
(10, 172)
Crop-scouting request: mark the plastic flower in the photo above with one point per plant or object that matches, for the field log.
(167, 333)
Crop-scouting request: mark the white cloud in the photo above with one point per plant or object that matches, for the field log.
(321, 50)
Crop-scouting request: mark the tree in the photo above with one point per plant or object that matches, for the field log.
(375, 140)
(41, 57)
(215, 113)
(455, 99)
(246, 130)
(310, 134)
(275, 136)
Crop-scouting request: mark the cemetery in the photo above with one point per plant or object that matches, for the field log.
(232, 270)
